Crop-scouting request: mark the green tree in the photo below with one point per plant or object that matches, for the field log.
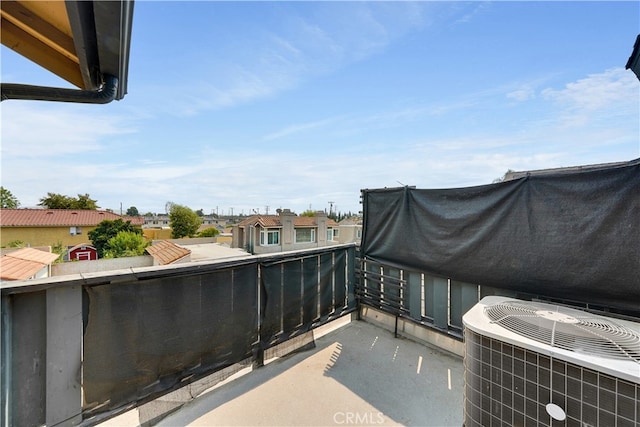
(16, 244)
(125, 244)
(184, 222)
(60, 201)
(84, 202)
(208, 232)
(133, 211)
(108, 229)
(8, 200)
(59, 249)
(200, 212)
(56, 201)
(308, 212)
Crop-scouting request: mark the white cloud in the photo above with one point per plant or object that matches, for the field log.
(522, 94)
(31, 129)
(604, 100)
(279, 58)
(301, 127)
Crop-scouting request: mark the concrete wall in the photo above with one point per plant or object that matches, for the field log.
(77, 267)
(411, 330)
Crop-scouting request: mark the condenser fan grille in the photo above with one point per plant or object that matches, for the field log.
(567, 328)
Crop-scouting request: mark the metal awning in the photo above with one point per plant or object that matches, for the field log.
(86, 43)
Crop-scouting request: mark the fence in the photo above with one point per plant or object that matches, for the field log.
(439, 302)
(77, 347)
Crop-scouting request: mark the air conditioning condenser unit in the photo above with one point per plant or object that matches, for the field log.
(536, 363)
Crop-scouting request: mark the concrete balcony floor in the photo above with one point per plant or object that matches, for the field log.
(357, 374)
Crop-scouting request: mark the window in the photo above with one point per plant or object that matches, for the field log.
(305, 235)
(75, 230)
(269, 236)
(332, 234)
(359, 233)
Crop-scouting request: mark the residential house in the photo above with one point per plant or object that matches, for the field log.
(350, 230)
(48, 227)
(163, 220)
(156, 221)
(26, 263)
(285, 231)
(158, 226)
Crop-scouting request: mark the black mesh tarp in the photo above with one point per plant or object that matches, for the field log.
(570, 235)
(302, 292)
(146, 337)
(149, 334)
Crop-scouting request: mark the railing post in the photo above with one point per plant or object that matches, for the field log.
(415, 301)
(440, 302)
(6, 367)
(64, 355)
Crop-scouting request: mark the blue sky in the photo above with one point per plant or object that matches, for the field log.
(297, 104)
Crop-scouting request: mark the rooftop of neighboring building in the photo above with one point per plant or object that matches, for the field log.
(24, 263)
(165, 252)
(354, 220)
(511, 175)
(275, 221)
(60, 217)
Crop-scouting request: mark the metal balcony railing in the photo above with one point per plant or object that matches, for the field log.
(76, 349)
(79, 349)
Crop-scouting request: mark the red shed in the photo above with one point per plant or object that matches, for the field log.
(82, 252)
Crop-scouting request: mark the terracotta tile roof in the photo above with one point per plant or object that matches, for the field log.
(304, 221)
(165, 252)
(31, 254)
(274, 221)
(24, 263)
(59, 217)
(262, 220)
(18, 269)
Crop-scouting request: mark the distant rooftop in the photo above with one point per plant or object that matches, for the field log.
(276, 220)
(59, 217)
(165, 252)
(521, 174)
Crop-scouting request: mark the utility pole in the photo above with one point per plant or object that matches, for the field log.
(231, 212)
(266, 208)
(330, 207)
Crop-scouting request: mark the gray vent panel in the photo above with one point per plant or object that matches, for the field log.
(567, 328)
(509, 385)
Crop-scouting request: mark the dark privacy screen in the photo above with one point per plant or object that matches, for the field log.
(573, 235)
(145, 337)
